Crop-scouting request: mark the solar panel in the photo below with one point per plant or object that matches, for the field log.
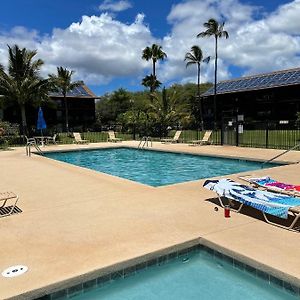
(281, 78)
(78, 91)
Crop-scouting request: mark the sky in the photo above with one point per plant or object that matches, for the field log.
(102, 41)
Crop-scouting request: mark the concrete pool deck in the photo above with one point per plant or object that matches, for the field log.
(77, 224)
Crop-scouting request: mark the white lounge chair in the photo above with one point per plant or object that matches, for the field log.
(268, 203)
(7, 197)
(78, 139)
(205, 140)
(112, 138)
(174, 139)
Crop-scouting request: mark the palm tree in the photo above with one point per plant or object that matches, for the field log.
(22, 83)
(153, 53)
(217, 30)
(166, 110)
(195, 56)
(63, 83)
(151, 82)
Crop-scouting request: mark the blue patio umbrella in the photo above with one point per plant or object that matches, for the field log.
(41, 124)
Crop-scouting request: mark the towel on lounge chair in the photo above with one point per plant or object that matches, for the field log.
(267, 181)
(273, 185)
(268, 202)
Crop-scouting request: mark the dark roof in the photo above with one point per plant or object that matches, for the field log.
(81, 91)
(257, 82)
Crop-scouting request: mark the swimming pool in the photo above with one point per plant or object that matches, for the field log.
(154, 168)
(199, 274)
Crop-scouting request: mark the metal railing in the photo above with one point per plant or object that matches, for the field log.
(31, 142)
(284, 152)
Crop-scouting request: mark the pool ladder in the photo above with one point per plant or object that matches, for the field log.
(31, 142)
(146, 141)
(286, 151)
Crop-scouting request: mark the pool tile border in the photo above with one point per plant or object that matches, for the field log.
(167, 258)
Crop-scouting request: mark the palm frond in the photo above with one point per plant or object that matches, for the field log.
(206, 60)
(189, 63)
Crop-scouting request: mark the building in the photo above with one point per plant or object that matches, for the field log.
(81, 110)
(271, 97)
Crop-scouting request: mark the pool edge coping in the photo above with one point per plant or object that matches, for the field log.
(278, 162)
(219, 251)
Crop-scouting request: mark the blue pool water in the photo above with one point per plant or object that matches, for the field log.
(201, 277)
(153, 167)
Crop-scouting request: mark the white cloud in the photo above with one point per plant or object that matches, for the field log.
(18, 35)
(98, 48)
(115, 6)
(271, 42)
(286, 19)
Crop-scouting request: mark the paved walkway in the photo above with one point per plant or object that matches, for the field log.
(77, 221)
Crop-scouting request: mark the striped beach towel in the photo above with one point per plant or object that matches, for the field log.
(266, 181)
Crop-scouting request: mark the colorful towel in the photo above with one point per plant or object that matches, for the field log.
(267, 181)
(268, 202)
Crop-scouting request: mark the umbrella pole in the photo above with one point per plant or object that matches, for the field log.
(42, 140)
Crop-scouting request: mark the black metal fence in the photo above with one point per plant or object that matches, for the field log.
(274, 135)
(254, 134)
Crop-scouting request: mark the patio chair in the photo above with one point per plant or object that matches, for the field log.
(112, 138)
(174, 139)
(204, 141)
(270, 184)
(30, 140)
(52, 139)
(5, 198)
(268, 203)
(78, 139)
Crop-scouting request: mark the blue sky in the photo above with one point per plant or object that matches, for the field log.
(104, 47)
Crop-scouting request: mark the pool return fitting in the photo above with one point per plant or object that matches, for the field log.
(14, 271)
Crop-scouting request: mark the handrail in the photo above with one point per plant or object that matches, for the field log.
(146, 140)
(32, 142)
(286, 151)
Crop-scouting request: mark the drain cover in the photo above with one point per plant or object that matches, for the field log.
(14, 271)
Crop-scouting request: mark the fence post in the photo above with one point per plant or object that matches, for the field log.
(267, 135)
(222, 131)
(236, 131)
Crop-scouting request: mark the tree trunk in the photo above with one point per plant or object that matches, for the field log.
(67, 113)
(24, 122)
(198, 96)
(198, 80)
(154, 76)
(215, 87)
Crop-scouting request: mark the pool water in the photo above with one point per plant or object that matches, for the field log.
(154, 168)
(199, 277)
